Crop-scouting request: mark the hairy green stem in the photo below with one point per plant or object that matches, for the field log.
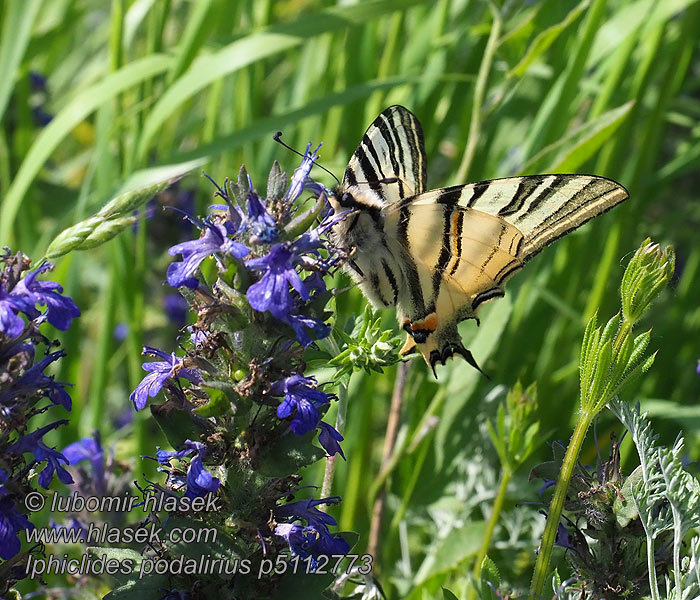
(490, 526)
(340, 427)
(557, 504)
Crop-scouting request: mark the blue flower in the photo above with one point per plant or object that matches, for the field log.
(563, 538)
(61, 309)
(300, 324)
(33, 380)
(11, 523)
(306, 540)
(159, 373)
(261, 224)
(33, 443)
(271, 293)
(301, 180)
(38, 81)
(24, 297)
(120, 332)
(301, 402)
(215, 240)
(329, 438)
(306, 509)
(89, 449)
(315, 538)
(199, 481)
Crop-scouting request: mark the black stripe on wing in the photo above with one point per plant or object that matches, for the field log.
(392, 148)
(526, 187)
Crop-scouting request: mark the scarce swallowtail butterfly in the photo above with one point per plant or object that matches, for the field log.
(437, 255)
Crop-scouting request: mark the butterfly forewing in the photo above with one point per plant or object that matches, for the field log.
(542, 207)
(391, 149)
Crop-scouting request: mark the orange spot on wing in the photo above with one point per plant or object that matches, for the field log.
(430, 323)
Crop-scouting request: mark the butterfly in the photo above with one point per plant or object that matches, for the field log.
(438, 255)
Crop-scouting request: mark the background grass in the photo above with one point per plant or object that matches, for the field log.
(611, 88)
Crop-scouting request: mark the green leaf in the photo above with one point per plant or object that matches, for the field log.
(568, 153)
(628, 20)
(196, 28)
(177, 424)
(266, 126)
(276, 182)
(545, 39)
(222, 394)
(450, 551)
(123, 556)
(626, 510)
(215, 542)
(447, 594)
(252, 48)
(288, 454)
(133, 586)
(489, 574)
(686, 416)
(489, 571)
(85, 103)
(16, 33)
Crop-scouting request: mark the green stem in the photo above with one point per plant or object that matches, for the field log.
(651, 566)
(479, 92)
(491, 525)
(556, 506)
(625, 330)
(340, 427)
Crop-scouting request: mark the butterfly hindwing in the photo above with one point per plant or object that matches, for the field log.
(461, 258)
(464, 242)
(392, 148)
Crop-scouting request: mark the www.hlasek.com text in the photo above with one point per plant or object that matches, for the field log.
(106, 534)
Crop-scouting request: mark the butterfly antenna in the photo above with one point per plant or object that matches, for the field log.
(277, 137)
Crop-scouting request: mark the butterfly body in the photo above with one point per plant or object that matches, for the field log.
(438, 255)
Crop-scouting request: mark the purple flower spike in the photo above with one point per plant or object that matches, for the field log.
(301, 402)
(11, 523)
(306, 509)
(89, 449)
(330, 439)
(271, 293)
(199, 481)
(300, 324)
(26, 295)
(262, 225)
(61, 310)
(215, 240)
(33, 380)
(301, 180)
(33, 443)
(315, 538)
(159, 373)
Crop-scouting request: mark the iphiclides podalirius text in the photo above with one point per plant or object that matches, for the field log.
(438, 255)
